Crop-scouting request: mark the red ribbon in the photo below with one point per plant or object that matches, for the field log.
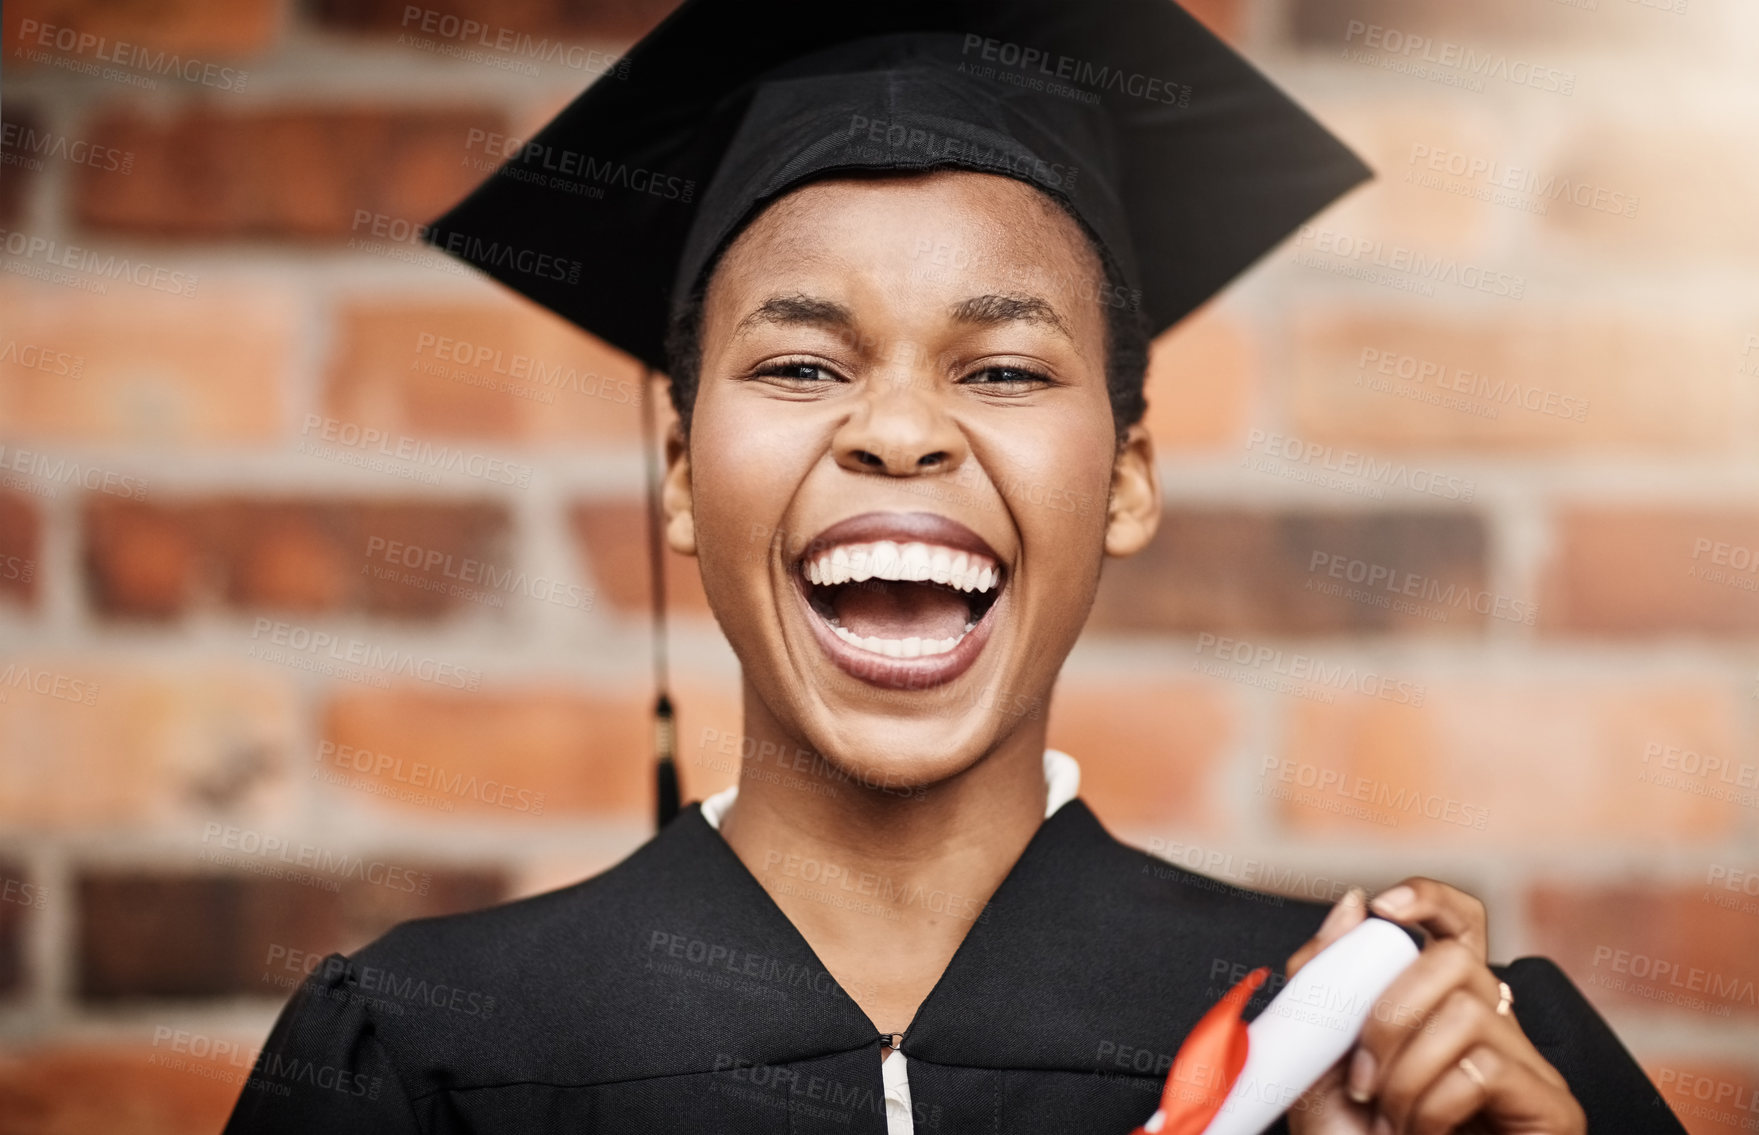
(1208, 1063)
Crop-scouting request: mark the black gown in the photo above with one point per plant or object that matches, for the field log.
(670, 993)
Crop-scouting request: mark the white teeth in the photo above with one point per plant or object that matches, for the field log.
(899, 647)
(886, 559)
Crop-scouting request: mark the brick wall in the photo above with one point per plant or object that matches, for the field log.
(1458, 574)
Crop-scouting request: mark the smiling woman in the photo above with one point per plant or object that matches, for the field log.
(923, 926)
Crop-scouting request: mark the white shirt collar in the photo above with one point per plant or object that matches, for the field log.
(1062, 783)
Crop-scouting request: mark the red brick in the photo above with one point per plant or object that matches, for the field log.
(165, 935)
(1693, 178)
(1151, 748)
(283, 171)
(160, 560)
(1202, 379)
(583, 753)
(151, 748)
(1485, 24)
(616, 20)
(1540, 763)
(20, 897)
(1226, 18)
(119, 1089)
(21, 537)
(1661, 942)
(146, 367)
(1709, 1097)
(1607, 364)
(210, 29)
(612, 540)
(495, 369)
(1628, 572)
(1395, 137)
(1238, 572)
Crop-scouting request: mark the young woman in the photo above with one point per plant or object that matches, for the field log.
(908, 322)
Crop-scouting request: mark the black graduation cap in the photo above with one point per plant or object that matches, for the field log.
(1182, 160)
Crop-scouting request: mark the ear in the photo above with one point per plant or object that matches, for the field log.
(677, 502)
(1133, 509)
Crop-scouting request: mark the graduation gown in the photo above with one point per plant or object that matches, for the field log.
(670, 993)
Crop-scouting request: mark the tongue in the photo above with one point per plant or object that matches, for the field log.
(883, 609)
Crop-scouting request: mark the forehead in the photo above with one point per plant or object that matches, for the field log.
(967, 229)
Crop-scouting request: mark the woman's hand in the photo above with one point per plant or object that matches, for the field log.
(1436, 1055)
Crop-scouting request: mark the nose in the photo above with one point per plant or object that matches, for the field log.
(901, 428)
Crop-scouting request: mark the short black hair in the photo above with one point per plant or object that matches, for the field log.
(1126, 337)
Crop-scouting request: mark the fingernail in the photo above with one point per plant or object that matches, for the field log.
(1361, 1082)
(1383, 1125)
(1394, 902)
(1334, 919)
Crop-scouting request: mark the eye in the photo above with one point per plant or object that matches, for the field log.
(1006, 378)
(798, 372)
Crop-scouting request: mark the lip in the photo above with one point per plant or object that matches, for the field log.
(903, 527)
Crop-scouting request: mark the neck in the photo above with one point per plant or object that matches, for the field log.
(883, 883)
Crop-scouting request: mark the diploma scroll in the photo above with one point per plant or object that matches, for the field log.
(1230, 1078)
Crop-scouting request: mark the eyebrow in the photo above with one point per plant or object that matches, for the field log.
(993, 310)
(798, 311)
(989, 310)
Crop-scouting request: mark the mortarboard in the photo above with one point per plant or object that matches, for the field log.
(1183, 162)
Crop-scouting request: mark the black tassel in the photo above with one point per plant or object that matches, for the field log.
(665, 768)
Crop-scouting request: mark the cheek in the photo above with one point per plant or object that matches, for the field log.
(746, 468)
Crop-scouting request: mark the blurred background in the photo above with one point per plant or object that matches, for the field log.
(322, 601)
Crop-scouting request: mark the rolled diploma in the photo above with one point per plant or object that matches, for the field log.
(1311, 1023)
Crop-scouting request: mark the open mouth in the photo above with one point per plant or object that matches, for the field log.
(900, 599)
